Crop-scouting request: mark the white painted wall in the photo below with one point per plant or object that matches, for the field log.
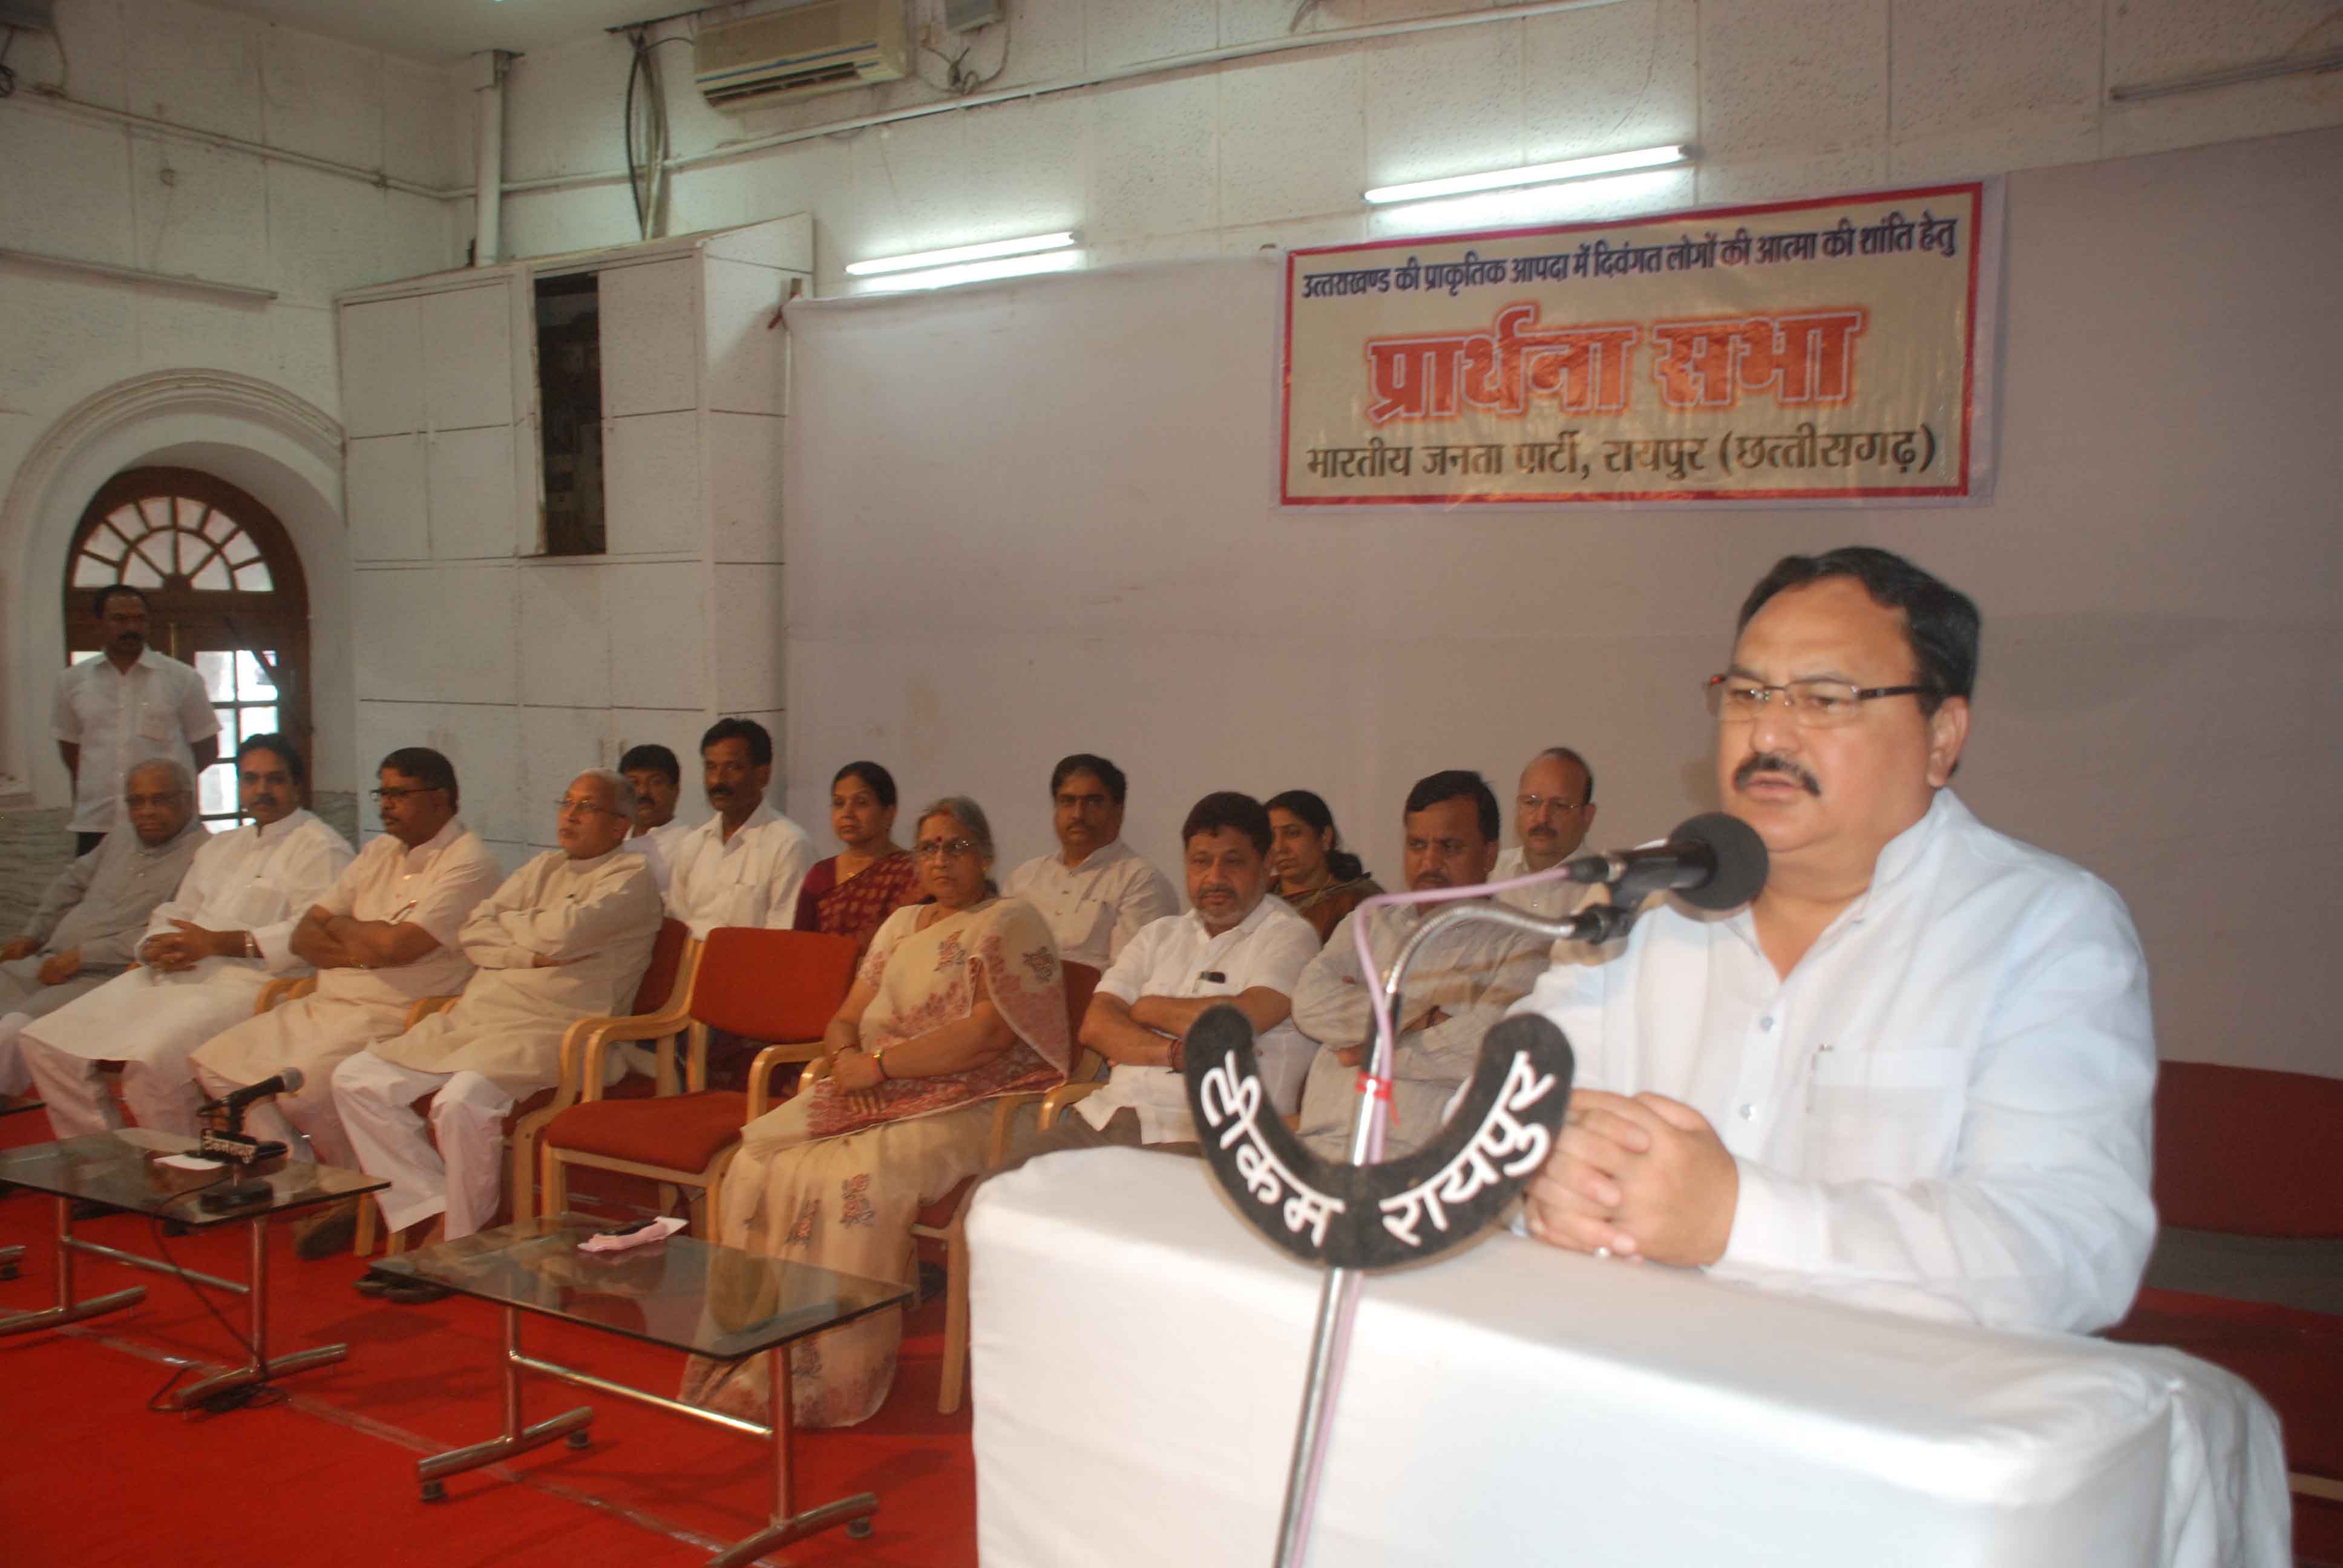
(1786, 98)
(77, 185)
(1035, 518)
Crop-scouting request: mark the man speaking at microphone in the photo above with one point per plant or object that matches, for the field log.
(1915, 1072)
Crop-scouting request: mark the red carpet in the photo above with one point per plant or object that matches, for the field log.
(88, 1476)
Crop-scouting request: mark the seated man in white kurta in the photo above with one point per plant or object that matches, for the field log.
(88, 923)
(658, 779)
(206, 953)
(1461, 983)
(1096, 891)
(1238, 944)
(567, 936)
(382, 938)
(1915, 1072)
(745, 865)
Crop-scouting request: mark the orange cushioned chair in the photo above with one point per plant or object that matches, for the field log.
(778, 985)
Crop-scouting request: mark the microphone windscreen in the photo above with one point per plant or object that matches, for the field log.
(293, 1081)
(1741, 860)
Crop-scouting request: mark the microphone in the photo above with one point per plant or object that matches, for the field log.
(288, 1081)
(1712, 861)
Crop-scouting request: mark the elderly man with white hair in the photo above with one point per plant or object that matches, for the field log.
(86, 927)
(208, 952)
(567, 936)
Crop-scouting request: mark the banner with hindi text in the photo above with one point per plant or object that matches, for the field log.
(1832, 350)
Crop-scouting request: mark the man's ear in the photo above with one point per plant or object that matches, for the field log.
(1948, 731)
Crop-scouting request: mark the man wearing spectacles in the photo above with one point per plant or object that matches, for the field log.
(1552, 809)
(1096, 891)
(206, 954)
(383, 938)
(567, 936)
(1915, 1072)
(86, 927)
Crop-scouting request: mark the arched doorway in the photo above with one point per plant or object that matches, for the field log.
(228, 596)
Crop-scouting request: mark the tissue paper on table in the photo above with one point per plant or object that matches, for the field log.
(657, 1230)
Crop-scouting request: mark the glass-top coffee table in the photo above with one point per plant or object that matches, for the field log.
(685, 1294)
(120, 1170)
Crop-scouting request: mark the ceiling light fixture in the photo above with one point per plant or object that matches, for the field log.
(1537, 173)
(976, 271)
(990, 250)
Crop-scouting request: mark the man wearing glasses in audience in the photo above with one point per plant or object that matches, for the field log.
(567, 936)
(1915, 1072)
(1552, 809)
(1095, 892)
(205, 957)
(86, 927)
(382, 939)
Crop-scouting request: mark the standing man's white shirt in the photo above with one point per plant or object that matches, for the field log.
(252, 879)
(1944, 1110)
(1095, 908)
(750, 880)
(1176, 957)
(159, 708)
(660, 847)
(1547, 900)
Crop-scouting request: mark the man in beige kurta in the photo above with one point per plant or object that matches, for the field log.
(567, 936)
(383, 938)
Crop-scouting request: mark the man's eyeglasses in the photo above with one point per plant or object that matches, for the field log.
(1810, 704)
(396, 794)
(140, 802)
(569, 807)
(942, 849)
(1539, 802)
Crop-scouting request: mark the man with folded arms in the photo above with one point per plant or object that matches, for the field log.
(745, 865)
(208, 952)
(1552, 809)
(382, 938)
(1461, 982)
(567, 936)
(1094, 892)
(1915, 1072)
(88, 926)
(1238, 944)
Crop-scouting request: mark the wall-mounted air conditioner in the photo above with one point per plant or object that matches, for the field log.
(818, 47)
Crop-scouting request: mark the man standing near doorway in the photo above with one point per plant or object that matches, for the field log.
(116, 711)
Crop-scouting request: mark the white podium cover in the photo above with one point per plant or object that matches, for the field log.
(1139, 1361)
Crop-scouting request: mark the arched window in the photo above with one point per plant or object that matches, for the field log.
(226, 596)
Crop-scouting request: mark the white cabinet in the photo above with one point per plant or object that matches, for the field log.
(473, 635)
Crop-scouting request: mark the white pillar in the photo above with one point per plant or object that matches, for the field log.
(488, 172)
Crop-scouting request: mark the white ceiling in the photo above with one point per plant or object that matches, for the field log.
(451, 29)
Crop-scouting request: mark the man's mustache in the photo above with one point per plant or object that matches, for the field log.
(1774, 762)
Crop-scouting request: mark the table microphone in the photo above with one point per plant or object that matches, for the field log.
(1712, 861)
(288, 1081)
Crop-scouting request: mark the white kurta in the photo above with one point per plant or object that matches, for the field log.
(158, 710)
(1096, 908)
(1176, 957)
(659, 847)
(435, 886)
(751, 879)
(1547, 900)
(598, 917)
(1943, 1110)
(248, 879)
(1471, 973)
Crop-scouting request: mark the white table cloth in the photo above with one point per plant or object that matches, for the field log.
(1139, 1360)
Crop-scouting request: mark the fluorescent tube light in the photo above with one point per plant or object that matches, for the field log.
(1535, 174)
(977, 271)
(987, 251)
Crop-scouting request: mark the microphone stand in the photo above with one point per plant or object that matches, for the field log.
(1338, 1298)
(229, 1142)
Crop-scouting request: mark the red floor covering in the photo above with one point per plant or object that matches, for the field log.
(89, 1476)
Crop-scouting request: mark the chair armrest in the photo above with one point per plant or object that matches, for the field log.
(585, 1045)
(760, 1071)
(1058, 1098)
(1004, 1121)
(425, 1007)
(275, 991)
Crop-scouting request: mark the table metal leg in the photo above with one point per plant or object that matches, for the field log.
(789, 1525)
(68, 1309)
(432, 1473)
(262, 1366)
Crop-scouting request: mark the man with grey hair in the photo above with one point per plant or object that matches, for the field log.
(206, 953)
(88, 926)
(567, 936)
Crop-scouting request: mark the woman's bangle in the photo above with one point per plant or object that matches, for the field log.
(884, 1076)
